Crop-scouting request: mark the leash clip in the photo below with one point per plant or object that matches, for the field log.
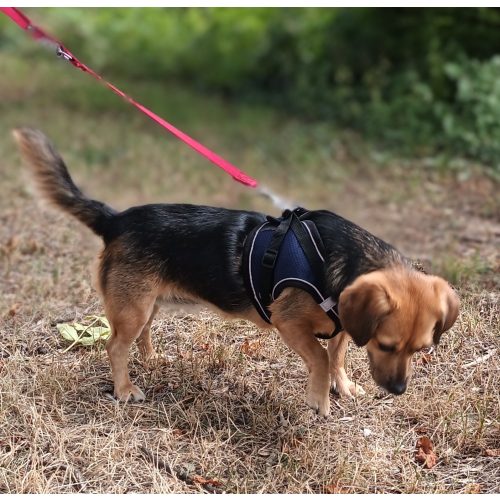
(60, 52)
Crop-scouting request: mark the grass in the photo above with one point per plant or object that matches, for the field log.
(228, 407)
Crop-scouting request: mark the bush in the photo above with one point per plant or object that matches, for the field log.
(471, 124)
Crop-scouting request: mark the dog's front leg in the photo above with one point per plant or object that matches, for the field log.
(316, 359)
(297, 317)
(337, 348)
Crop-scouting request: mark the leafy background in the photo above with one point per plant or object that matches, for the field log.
(422, 81)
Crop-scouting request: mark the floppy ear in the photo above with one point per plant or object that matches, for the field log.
(450, 304)
(362, 306)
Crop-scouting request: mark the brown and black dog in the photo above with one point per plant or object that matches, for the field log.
(180, 253)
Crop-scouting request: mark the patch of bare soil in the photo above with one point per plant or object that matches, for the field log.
(451, 226)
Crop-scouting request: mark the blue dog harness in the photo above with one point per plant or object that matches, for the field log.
(287, 252)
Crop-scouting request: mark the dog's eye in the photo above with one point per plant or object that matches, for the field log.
(387, 348)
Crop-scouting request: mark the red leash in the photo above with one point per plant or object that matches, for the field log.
(38, 34)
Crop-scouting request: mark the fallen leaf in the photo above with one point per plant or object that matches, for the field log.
(250, 348)
(68, 332)
(492, 452)
(77, 333)
(335, 488)
(202, 480)
(473, 488)
(13, 310)
(424, 453)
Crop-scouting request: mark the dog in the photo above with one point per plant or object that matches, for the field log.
(190, 254)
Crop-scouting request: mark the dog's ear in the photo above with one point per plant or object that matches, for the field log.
(450, 304)
(362, 306)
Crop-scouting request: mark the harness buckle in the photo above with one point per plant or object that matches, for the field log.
(328, 304)
(269, 258)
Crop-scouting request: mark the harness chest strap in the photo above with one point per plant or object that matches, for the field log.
(287, 252)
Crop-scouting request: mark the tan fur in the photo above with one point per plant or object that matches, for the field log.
(297, 317)
(340, 382)
(397, 307)
(131, 299)
(404, 310)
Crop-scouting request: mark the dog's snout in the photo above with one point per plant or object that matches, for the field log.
(397, 387)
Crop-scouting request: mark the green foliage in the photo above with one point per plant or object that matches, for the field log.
(472, 122)
(416, 78)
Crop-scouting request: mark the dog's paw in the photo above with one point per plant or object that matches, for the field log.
(318, 403)
(129, 393)
(344, 387)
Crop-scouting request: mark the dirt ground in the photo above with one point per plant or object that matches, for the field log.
(226, 413)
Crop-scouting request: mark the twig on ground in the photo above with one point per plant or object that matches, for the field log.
(481, 359)
(183, 476)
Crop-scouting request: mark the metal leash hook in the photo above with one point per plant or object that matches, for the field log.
(62, 53)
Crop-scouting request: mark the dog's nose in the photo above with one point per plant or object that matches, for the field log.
(396, 387)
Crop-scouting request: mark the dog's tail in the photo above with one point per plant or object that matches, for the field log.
(54, 183)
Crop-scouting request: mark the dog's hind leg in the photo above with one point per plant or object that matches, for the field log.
(146, 350)
(341, 384)
(127, 321)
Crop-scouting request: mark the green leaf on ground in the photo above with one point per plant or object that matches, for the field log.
(93, 329)
(68, 332)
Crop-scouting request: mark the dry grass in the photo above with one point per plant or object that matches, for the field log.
(228, 405)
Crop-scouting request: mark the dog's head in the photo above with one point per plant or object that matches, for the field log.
(395, 313)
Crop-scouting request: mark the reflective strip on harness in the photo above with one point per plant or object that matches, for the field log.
(328, 304)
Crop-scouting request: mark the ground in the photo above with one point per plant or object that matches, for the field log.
(227, 411)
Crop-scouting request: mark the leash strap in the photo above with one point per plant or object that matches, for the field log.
(40, 35)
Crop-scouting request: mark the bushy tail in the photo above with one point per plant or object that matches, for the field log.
(54, 183)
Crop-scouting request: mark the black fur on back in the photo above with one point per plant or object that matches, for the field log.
(194, 246)
(351, 250)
